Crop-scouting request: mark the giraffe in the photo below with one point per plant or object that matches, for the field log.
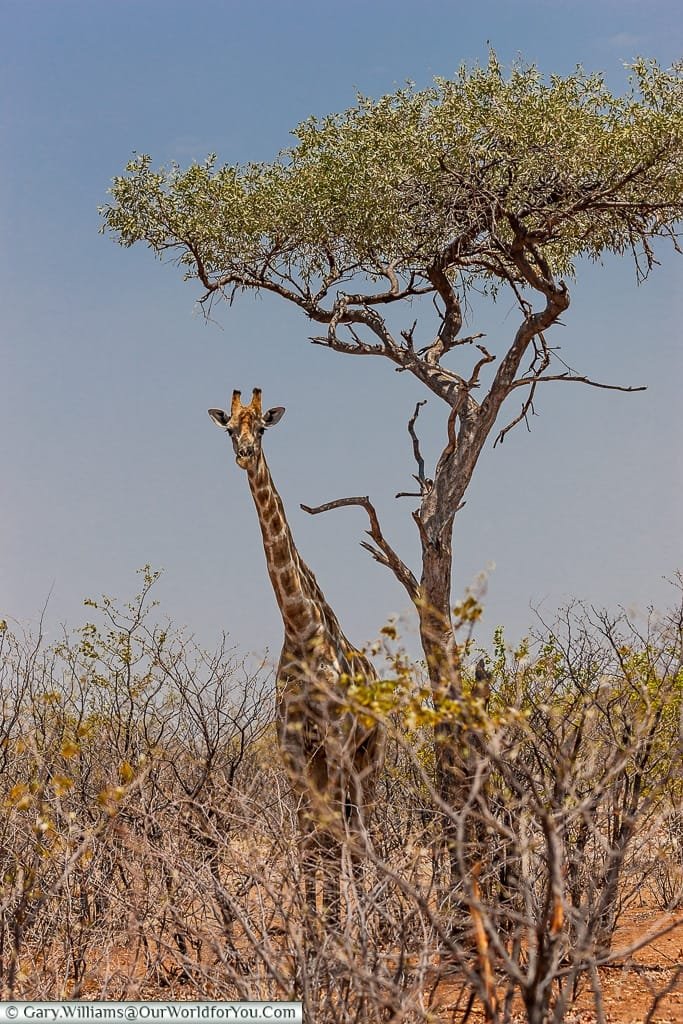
(332, 756)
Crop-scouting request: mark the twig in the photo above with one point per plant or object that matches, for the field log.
(409, 494)
(523, 381)
(407, 335)
(663, 993)
(613, 958)
(527, 406)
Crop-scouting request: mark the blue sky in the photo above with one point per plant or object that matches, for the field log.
(109, 459)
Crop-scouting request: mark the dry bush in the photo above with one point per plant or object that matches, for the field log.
(149, 842)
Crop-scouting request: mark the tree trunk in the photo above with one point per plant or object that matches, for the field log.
(451, 761)
(436, 624)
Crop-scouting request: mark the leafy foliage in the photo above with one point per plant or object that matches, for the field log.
(422, 175)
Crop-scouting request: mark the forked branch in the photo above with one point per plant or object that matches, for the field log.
(531, 382)
(381, 550)
(573, 378)
(527, 407)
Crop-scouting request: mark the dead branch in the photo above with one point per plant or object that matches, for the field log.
(527, 406)
(423, 483)
(382, 552)
(473, 382)
(574, 379)
(407, 335)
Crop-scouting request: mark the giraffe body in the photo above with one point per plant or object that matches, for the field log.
(331, 756)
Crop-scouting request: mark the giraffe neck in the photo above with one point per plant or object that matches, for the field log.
(304, 611)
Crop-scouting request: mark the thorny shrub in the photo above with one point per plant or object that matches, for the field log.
(149, 841)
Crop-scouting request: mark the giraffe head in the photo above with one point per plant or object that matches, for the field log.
(246, 424)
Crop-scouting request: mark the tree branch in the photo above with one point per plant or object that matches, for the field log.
(523, 381)
(423, 483)
(527, 406)
(557, 300)
(383, 552)
(486, 357)
(452, 318)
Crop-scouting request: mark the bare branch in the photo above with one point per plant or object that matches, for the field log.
(358, 348)
(473, 382)
(451, 321)
(557, 300)
(537, 273)
(572, 378)
(408, 335)
(527, 406)
(424, 484)
(383, 552)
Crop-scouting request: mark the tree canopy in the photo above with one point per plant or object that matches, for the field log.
(454, 176)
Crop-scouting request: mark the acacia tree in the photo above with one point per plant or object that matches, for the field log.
(489, 181)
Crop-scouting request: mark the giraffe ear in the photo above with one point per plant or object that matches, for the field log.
(273, 416)
(220, 418)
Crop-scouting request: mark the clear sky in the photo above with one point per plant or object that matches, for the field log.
(109, 460)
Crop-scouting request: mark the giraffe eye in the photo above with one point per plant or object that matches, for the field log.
(230, 431)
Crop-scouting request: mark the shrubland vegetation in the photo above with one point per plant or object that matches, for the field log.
(148, 843)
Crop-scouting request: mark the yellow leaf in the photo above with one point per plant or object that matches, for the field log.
(61, 784)
(20, 796)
